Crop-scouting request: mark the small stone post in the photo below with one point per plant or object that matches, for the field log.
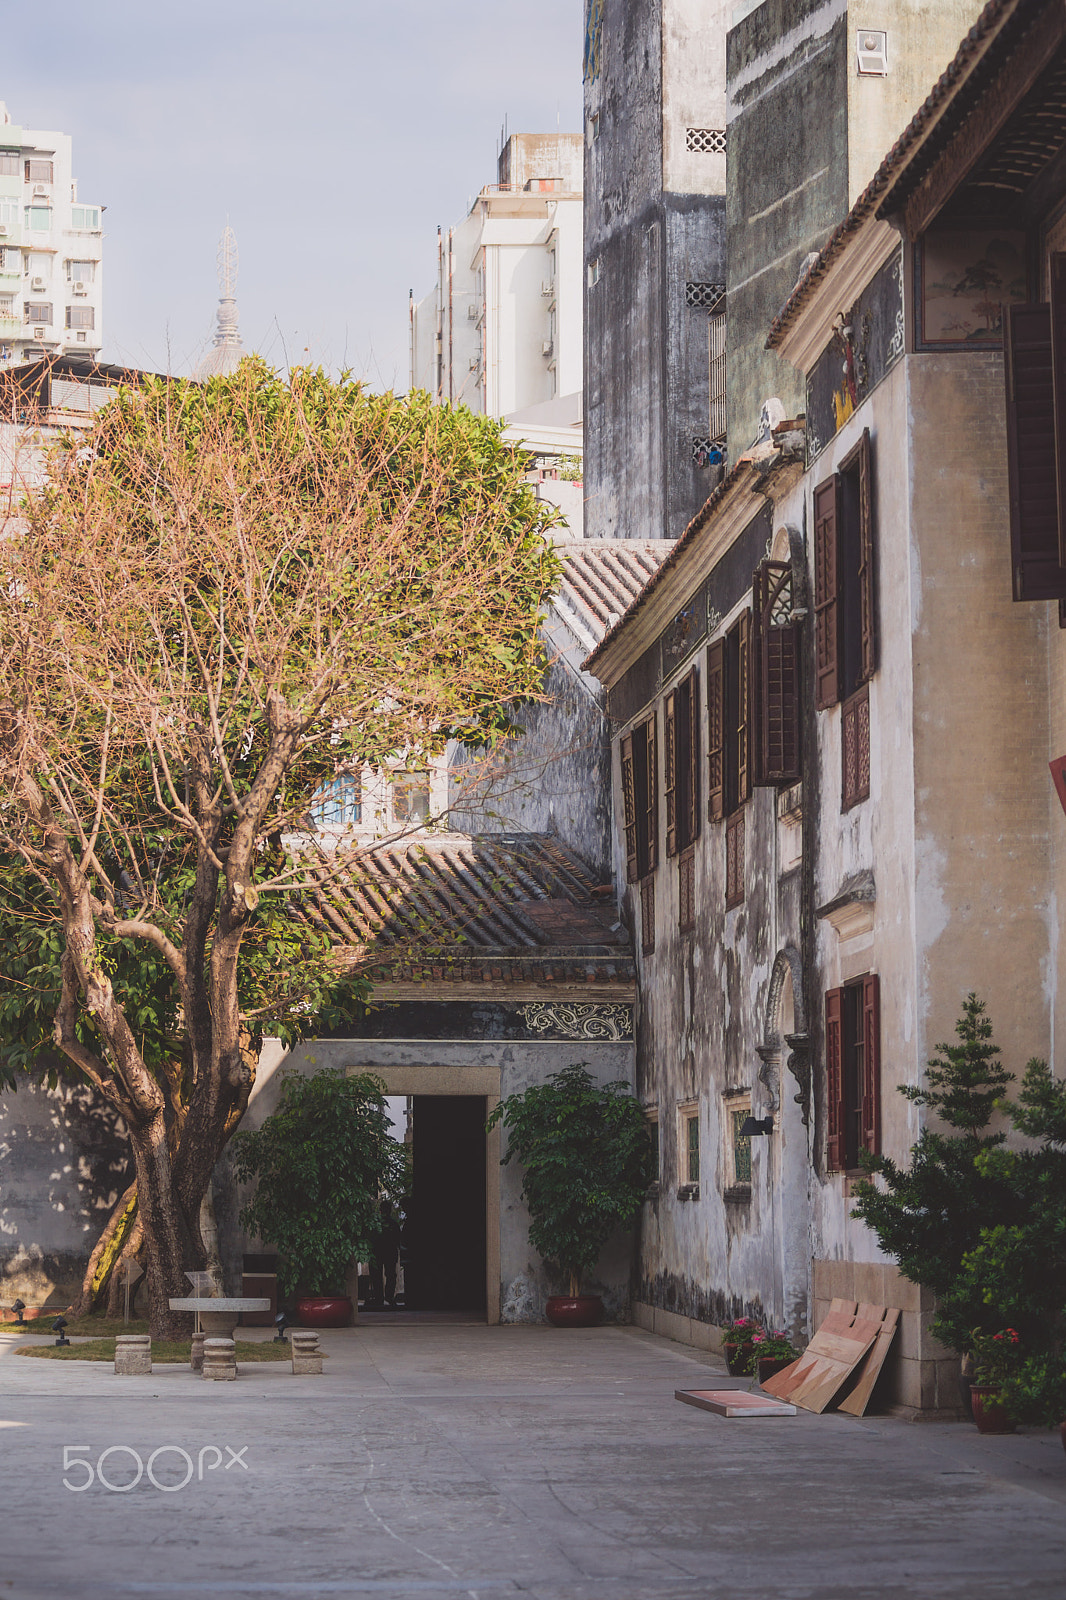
(220, 1359)
(196, 1358)
(133, 1354)
(306, 1356)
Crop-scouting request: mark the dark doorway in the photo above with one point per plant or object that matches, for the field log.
(444, 1238)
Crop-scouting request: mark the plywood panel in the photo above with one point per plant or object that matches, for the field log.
(848, 1333)
(856, 1402)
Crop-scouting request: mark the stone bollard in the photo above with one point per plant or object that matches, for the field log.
(220, 1360)
(306, 1356)
(133, 1354)
(196, 1357)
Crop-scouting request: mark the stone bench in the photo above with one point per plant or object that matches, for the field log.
(133, 1354)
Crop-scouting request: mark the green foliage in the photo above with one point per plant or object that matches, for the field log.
(769, 1345)
(588, 1158)
(319, 1164)
(981, 1223)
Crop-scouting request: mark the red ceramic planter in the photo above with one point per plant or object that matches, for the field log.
(574, 1310)
(989, 1415)
(323, 1311)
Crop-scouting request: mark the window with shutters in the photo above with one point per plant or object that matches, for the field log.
(682, 763)
(734, 860)
(640, 800)
(686, 899)
(845, 596)
(729, 767)
(1035, 361)
(855, 749)
(689, 1144)
(853, 1072)
(775, 667)
(647, 915)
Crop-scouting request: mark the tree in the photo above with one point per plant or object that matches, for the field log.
(224, 597)
(319, 1163)
(586, 1154)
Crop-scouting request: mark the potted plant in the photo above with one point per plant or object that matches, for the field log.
(736, 1343)
(996, 1357)
(587, 1157)
(771, 1352)
(320, 1163)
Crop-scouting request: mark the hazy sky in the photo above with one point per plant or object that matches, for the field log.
(334, 135)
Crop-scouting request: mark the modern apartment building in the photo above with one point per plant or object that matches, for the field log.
(500, 331)
(51, 247)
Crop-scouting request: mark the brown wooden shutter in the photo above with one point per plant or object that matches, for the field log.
(629, 809)
(827, 632)
(775, 679)
(651, 815)
(834, 1072)
(744, 717)
(867, 561)
(692, 819)
(670, 762)
(1031, 466)
(1058, 377)
(871, 1063)
(761, 586)
(716, 731)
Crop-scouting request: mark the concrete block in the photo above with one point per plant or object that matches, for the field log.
(133, 1354)
(196, 1354)
(220, 1361)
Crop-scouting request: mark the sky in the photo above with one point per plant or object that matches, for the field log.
(332, 135)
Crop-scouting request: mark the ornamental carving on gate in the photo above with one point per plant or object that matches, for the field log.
(578, 1020)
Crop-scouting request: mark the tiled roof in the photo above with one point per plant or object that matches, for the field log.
(962, 82)
(447, 908)
(601, 579)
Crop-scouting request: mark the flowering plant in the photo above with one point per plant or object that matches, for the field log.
(996, 1355)
(740, 1331)
(770, 1345)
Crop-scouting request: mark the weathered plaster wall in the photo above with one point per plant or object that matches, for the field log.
(475, 1066)
(64, 1161)
(552, 778)
(645, 348)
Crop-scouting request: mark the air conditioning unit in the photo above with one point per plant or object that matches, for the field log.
(40, 191)
(39, 333)
(547, 289)
(4, 230)
(38, 284)
(80, 288)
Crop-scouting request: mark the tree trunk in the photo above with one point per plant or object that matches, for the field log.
(87, 1295)
(168, 1246)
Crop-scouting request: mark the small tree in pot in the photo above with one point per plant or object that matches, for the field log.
(319, 1163)
(587, 1156)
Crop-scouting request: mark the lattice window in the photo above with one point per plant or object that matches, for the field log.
(704, 296)
(855, 742)
(734, 860)
(705, 141)
(707, 452)
(741, 1146)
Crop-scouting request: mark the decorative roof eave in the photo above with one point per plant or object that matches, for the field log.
(974, 49)
(836, 290)
(710, 533)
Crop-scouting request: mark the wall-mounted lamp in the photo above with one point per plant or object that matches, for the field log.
(57, 1327)
(755, 1125)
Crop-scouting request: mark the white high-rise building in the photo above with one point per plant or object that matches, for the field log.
(51, 248)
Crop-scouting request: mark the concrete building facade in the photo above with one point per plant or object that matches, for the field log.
(51, 249)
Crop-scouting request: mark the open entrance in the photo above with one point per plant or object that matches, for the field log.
(444, 1247)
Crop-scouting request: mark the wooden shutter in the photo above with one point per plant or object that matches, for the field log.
(716, 731)
(651, 797)
(827, 631)
(1058, 377)
(762, 584)
(775, 678)
(629, 808)
(1032, 472)
(834, 1072)
(871, 1064)
(743, 707)
(670, 761)
(692, 797)
(867, 561)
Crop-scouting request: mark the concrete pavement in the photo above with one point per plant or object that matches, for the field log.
(492, 1462)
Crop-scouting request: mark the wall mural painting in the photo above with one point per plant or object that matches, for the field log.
(593, 39)
(968, 277)
(867, 342)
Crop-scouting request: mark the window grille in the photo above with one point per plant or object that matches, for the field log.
(734, 861)
(647, 916)
(704, 296)
(855, 749)
(707, 452)
(686, 919)
(741, 1146)
(706, 141)
(716, 375)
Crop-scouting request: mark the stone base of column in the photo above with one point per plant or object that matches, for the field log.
(220, 1359)
(133, 1354)
(306, 1356)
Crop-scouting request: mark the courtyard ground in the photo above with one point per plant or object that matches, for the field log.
(493, 1462)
